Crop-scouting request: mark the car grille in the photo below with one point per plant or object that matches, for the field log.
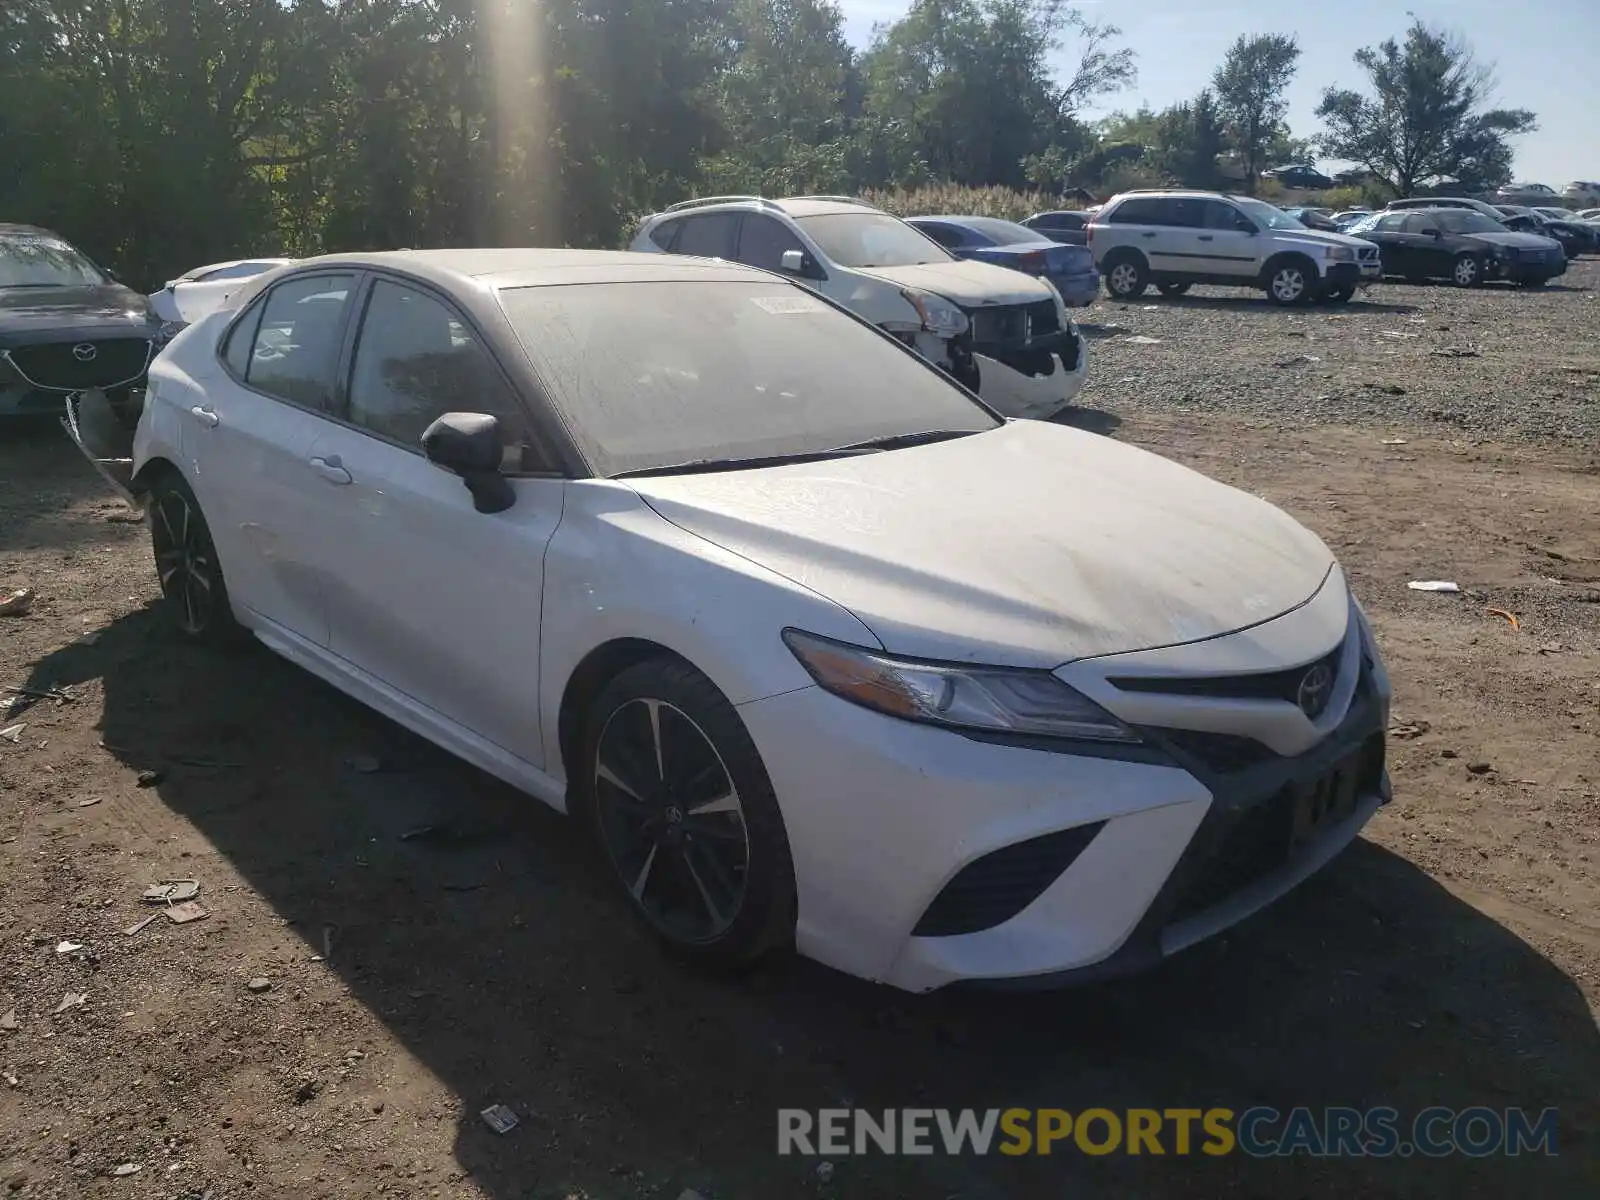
(991, 890)
(56, 366)
(1367, 253)
(1007, 324)
(1222, 753)
(1254, 842)
(1267, 685)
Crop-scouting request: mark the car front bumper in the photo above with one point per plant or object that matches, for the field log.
(893, 824)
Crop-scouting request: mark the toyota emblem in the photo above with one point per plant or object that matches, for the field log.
(84, 352)
(1316, 686)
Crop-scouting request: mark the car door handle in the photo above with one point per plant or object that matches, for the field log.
(205, 416)
(1206, 237)
(1151, 233)
(331, 469)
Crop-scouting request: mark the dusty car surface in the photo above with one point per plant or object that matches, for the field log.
(788, 619)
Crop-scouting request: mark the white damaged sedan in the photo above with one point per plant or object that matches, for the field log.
(823, 651)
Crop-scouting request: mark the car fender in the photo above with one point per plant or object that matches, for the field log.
(616, 570)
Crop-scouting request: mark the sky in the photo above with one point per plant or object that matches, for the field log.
(1544, 52)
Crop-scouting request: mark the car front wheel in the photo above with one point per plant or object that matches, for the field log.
(681, 805)
(1467, 271)
(186, 563)
(1289, 283)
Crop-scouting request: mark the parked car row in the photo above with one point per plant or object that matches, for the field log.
(812, 654)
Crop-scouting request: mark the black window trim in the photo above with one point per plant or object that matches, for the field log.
(351, 339)
(258, 304)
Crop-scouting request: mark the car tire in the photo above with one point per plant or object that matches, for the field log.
(677, 797)
(1290, 281)
(1172, 288)
(1467, 270)
(187, 567)
(1127, 277)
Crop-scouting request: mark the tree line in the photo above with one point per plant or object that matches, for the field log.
(162, 134)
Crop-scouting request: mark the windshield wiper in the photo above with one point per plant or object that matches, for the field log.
(897, 441)
(893, 441)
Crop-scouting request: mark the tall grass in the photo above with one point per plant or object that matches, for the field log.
(952, 199)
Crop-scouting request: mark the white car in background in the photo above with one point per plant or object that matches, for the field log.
(998, 331)
(203, 290)
(795, 625)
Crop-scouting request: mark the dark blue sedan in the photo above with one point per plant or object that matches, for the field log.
(1007, 244)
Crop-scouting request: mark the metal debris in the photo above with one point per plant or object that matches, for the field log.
(70, 1000)
(138, 926)
(499, 1118)
(13, 733)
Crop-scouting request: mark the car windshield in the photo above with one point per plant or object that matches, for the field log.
(1001, 233)
(1267, 215)
(656, 375)
(1362, 223)
(872, 239)
(1462, 220)
(37, 260)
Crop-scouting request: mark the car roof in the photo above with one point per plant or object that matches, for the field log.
(957, 220)
(1179, 194)
(536, 267)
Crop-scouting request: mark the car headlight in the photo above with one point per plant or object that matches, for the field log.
(997, 699)
(168, 331)
(937, 314)
(1341, 254)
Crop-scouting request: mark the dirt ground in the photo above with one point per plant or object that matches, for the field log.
(1451, 957)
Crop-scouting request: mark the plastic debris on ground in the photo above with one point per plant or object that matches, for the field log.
(171, 891)
(70, 1000)
(68, 947)
(1140, 339)
(126, 1169)
(9, 1021)
(1500, 612)
(182, 914)
(13, 733)
(150, 778)
(17, 603)
(138, 926)
(499, 1118)
(1433, 585)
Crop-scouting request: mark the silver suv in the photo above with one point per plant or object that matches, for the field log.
(1174, 239)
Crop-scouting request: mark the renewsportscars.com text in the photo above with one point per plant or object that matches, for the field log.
(1258, 1132)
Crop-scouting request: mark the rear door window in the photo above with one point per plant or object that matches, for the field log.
(296, 347)
(711, 236)
(1141, 210)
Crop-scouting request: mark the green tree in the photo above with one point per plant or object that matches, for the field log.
(1426, 114)
(1250, 86)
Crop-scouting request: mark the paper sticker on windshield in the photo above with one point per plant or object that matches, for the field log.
(784, 306)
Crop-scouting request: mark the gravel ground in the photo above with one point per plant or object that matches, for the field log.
(360, 991)
(1495, 361)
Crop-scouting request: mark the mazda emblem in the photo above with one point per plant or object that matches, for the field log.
(1316, 686)
(84, 352)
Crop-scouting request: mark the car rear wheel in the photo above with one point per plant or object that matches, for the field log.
(1467, 271)
(1127, 277)
(680, 802)
(186, 564)
(1172, 288)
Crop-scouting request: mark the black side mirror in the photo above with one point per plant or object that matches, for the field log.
(469, 444)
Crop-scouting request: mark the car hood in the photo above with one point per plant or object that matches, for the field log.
(969, 284)
(1526, 241)
(1030, 545)
(58, 314)
(1321, 237)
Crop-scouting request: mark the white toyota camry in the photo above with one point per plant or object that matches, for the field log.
(824, 652)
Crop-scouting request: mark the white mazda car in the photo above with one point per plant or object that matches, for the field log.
(823, 651)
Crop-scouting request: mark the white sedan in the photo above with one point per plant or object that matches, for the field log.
(823, 651)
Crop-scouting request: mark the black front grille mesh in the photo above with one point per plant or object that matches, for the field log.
(1266, 685)
(991, 890)
(1008, 324)
(57, 365)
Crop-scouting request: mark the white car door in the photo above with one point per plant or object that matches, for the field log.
(1229, 241)
(426, 594)
(249, 438)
